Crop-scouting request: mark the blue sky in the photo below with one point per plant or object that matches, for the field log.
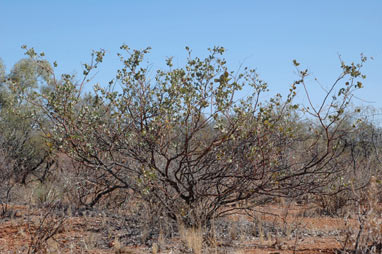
(266, 35)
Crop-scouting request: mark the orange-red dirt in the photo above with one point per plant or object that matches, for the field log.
(78, 236)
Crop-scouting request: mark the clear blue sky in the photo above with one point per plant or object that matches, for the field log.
(266, 35)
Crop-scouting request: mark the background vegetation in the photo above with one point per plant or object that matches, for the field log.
(185, 144)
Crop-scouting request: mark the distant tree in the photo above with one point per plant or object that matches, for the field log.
(2, 69)
(2, 79)
(21, 141)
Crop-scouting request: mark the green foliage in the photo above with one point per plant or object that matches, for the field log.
(21, 137)
(2, 71)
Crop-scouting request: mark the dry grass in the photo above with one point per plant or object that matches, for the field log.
(363, 228)
(192, 237)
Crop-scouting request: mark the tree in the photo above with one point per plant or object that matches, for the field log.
(21, 142)
(184, 140)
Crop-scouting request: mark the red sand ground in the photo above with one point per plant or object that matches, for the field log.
(77, 236)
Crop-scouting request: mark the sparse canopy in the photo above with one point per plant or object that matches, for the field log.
(186, 142)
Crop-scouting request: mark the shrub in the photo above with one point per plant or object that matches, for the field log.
(184, 140)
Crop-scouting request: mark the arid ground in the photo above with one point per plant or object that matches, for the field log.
(278, 228)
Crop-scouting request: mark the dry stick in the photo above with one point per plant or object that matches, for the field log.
(348, 234)
(295, 243)
(359, 233)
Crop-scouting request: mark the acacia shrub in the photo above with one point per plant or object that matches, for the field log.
(184, 140)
